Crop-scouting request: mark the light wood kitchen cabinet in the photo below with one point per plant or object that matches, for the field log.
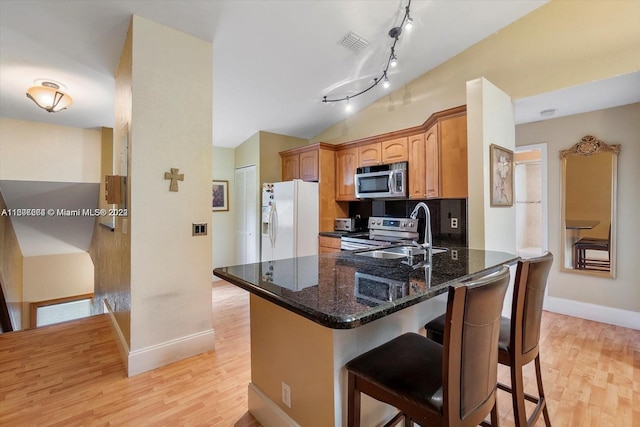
(346, 165)
(370, 154)
(446, 158)
(417, 167)
(309, 165)
(376, 153)
(432, 165)
(316, 162)
(453, 157)
(303, 165)
(290, 167)
(395, 150)
(328, 244)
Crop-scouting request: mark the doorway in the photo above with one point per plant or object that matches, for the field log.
(531, 200)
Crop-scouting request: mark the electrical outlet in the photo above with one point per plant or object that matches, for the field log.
(286, 394)
(454, 254)
(454, 222)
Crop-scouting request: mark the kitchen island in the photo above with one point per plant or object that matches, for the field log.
(311, 315)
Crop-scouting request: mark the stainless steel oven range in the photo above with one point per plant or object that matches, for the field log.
(383, 231)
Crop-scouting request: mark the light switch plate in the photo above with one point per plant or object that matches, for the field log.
(199, 229)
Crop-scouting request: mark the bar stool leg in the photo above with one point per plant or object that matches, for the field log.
(543, 401)
(353, 412)
(517, 395)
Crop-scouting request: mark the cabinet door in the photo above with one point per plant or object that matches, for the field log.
(370, 154)
(309, 166)
(432, 145)
(346, 163)
(453, 157)
(290, 167)
(395, 150)
(417, 167)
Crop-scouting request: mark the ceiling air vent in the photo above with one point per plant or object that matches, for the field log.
(354, 41)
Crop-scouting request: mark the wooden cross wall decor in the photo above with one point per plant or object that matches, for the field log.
(174, 176)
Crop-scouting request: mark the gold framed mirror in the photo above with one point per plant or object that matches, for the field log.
(589, 191)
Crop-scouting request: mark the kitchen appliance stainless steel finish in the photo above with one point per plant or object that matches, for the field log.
(383, 231)
(374, 290)
(382, 181)
(349, 224)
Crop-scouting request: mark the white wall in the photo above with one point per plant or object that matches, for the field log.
(171, 127)
(620, 125)
(223, 223)
(32, 151)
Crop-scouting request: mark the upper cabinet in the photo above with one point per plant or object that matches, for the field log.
(317, 162)
(370, 154)
(290, 167)
(377, 153)
(309, 165)
(452, 153)
(346, 164)
(417, 162)
(395, 150)
(301, 163)
(436, 152)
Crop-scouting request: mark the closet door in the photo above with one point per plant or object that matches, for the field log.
(246, 190)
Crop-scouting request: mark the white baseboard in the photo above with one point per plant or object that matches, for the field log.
(266, 411)
(121, 342)
(162, 354)
(598, 313)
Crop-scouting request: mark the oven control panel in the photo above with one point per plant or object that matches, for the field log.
(393, 224)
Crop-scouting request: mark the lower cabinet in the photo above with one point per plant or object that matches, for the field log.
(328, 244)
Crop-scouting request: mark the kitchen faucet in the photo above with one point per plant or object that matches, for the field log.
(428, 238)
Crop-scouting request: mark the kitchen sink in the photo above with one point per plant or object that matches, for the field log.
(398, 252)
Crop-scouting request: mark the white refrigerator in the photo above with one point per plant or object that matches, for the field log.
(290, 217)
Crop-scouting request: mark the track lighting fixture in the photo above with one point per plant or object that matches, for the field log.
(394, 33)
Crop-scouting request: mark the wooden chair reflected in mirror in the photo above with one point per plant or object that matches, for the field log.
(589, 198)
(584, 260)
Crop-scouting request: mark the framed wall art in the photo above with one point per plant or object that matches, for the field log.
(501, 170)
(220, 196)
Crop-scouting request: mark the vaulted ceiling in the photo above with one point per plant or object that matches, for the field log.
(273, 60)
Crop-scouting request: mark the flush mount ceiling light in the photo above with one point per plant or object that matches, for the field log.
(48, 96)
(407, 23)
(548, 113)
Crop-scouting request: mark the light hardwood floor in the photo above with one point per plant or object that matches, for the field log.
(71, 375)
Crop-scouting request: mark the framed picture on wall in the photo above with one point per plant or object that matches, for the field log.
(501, 170)
(220, 195)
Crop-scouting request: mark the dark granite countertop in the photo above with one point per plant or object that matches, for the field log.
(345, 290)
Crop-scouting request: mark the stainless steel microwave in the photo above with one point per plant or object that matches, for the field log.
(382, 181)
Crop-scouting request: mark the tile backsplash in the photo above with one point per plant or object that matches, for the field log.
(442, 211)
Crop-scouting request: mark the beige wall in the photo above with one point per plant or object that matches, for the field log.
(31, 151)
(223, 223)
(170, 268)
(270, 145)
(619, 125)
(274, 333)
(111, 250)
(57, 276)
(11, 270)
(561, 44)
